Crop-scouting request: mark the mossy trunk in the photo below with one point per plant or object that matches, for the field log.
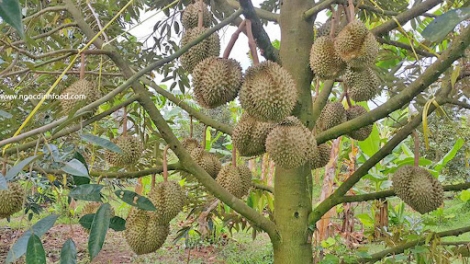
(293, 187)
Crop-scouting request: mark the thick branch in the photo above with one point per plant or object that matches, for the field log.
(430, 75)
(115, 74)
(386, 12)
(458, 103)
(263, 14)
(261, 37)
(207, 120)
(318, 8)
(263, 187)
(406, 16)
(71, 129)
(405, 46)
(401, 248)
(165, 131)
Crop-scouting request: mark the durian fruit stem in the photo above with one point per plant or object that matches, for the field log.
(4, 166)
(82, 66)
(348, 100)
(204, 137)
(234, 157)
(251, 42)
(351, 9)
(200, 14)
(334, 21)
(416, 141)
(233, 39)
(346, 13)
(124, 121)
(165, 163)
(191, 128)
(152, 184)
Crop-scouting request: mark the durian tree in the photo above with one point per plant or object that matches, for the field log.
(295, 101)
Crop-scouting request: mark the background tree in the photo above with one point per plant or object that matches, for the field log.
(66, 40)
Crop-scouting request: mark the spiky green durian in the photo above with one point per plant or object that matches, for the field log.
(207, 48)
(131, 151)
(364, 132)
(216, 81)
(350, 39)
(418, 188)
(236, 180)
(268, 93)
(208, 161)
(324, 61)
(169, 199)
(249, 136)
(331, 115)
(79, 94)
(322, 156)
(11, 200)
(362, 85)
(190, 17)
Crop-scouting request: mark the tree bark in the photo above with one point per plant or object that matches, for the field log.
(292, 196)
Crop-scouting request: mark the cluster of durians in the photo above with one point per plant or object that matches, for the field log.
(146, 231)
(418, 188)
(350, 54)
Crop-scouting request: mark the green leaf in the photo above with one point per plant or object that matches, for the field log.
(39, 229)
(465, 196)
(10, 11)
(450, 155)
(136, 200)
(18, 168)
(87, 192)
(117, 224)
(76, 168)
(438, 29)
(102, 142)
(98, 231)
(86, 221)
(35, 253)
(3, 183)
(68, 254)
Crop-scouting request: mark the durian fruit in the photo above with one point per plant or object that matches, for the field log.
(325, 28)
(365, 56)
(216, 81)
(197, 53)
(363, 132)
(322, 157)
(189, 144)
(290, 144)
(350, 39)
(361, 85)
(246, 177)
(190, 16)
(131, 151)
(268, 93)
(236, 180)
(208, 161)
(78, 95)
(324, 61)
(11, 200)
(249, 136)
(144, 232)
(331, 115)
(169, 199)
(418, 188)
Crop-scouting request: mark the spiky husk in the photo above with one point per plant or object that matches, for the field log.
(350, 39)
(79, 94)
(331, 115)
(207, 48)
(290, 144)
(236, 180)
(169, 199)
(11, 200)
(418, 188)
(365, 56)
(216, 81)
(268, 93)
(249, 136)
(208, 161)
(189, 144)
(144, 232)
(322, 157)
(190, 17)
(362, 85)
(324, 61)
(131, 151)
(364, 132)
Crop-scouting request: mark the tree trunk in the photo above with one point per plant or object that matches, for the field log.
(292, 195)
